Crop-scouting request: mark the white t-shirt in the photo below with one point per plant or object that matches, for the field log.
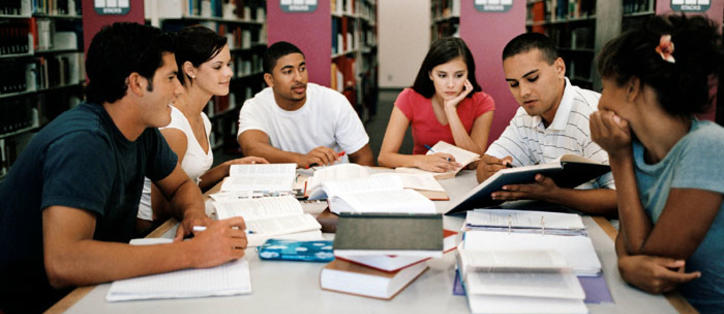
(529, 142)
(326, 119)
(195, 161)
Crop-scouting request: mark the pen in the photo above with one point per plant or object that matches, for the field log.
(340, 154)
(433, 151)
(203, 228)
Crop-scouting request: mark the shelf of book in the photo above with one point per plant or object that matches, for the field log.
(445, 19)
(42, 65)
(243, 23)
(20, 131)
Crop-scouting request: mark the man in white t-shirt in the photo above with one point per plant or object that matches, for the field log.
(300, 122)
(553, 119)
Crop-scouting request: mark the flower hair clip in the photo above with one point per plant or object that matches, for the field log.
(666, 48)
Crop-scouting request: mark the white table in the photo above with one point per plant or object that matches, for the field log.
(293, 287)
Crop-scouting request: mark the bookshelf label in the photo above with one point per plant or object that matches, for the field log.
(111, 7)
(297, 6)
(493, 5)
(690, 5)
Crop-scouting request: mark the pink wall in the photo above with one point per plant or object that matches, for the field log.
(92, 22)
(486, 34)
(311, 32)
(716, 13)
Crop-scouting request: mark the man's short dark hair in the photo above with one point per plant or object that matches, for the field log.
(119, 50)
(276, 51)
(527, 41)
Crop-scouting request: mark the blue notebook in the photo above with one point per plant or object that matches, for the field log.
(292, 250)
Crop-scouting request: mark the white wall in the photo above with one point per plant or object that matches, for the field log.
(403, 34)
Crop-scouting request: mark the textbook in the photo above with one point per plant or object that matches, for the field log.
(333, 180)
(389, 234)
(260, 177)
(568, 171)
(346, 277)
(391, 263)
(269, 217)
(462, 156)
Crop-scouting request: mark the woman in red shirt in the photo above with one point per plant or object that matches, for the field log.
(444, 104)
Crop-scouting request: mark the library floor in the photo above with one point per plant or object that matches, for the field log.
(375, 127)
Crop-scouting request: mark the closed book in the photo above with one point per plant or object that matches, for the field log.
(351, 278)
(568, 171)
(389, 234)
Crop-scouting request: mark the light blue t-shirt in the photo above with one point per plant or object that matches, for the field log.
(695, 162)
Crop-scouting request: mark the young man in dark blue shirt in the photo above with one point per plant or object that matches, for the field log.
(70, 201)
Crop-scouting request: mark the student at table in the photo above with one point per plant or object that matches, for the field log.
(294, 121)
(553, 119)
(203, 60)
(667, 164)
(445, 103)
(69, 203)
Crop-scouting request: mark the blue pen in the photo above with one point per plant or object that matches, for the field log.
(433, 151)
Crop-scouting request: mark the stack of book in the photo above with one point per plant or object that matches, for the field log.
(524, 261)
(378, 255)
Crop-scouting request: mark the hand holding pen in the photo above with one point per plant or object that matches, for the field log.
(437, 161)
(218, 242)
(321, 156)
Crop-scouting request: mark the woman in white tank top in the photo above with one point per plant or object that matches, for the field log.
(203, 60)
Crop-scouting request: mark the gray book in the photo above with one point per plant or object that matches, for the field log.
(389, 234)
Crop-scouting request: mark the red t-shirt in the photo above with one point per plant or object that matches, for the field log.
(426, 129)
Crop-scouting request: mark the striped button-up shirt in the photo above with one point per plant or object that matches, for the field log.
(529, 142)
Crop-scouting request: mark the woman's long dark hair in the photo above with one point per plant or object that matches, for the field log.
(442, 51)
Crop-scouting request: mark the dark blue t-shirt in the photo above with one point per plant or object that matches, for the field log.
(79, 160)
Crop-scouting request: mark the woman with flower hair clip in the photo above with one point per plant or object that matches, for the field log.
(667, 164)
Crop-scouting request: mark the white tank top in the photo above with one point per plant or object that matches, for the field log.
(195, 161)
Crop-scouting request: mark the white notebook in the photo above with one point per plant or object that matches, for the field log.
(228, 279)
(525, 220)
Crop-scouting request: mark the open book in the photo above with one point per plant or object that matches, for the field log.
(462, 156)
(260, 177)
(269, 217)
(346, 178)
(568, 171)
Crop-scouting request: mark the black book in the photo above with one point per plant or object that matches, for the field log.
(568, 171)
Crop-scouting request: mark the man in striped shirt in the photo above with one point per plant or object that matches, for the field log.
(552, 120)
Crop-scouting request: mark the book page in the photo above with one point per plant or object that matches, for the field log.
(260, 177)
(462, 156)
(263, 229)
(227, 279)
(402, 201)
(259, 208)
(336, 172)
(368, 184)
(523, 219)
(419, 181)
